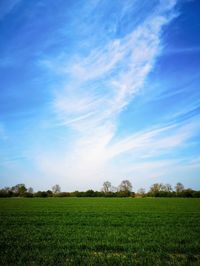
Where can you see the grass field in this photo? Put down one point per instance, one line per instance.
(99, 231)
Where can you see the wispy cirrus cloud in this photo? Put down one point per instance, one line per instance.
(159, 141)
(112, 102)
(100, 86)
(145, 155)
(103, 82)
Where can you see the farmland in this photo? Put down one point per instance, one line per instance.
(99, 231)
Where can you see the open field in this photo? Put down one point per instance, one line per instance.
(99, 231)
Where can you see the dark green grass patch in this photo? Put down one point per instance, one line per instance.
(99, 231)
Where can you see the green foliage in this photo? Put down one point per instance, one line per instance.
(124, 190)
(28, 195)
(19, 189)
(99, 231)
(41, 194)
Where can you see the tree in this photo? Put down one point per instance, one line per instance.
(6, 189)
(155, 188)
(30, 190)
(125, 188)
(49, 193)
(41, 194)
(56, 189)
(90, 193)
(167, 188)
(141, 192)
(114, 189)
(179, 187)
(106, 187)
(19, 189)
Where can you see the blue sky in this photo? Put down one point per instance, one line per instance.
(99, 90)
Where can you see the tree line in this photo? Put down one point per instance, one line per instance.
(125, 189)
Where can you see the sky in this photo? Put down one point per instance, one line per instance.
(99, 90)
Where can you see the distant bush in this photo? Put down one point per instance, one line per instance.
(49, 193)
(62, 194)
(41, 194)
(124, 190)
(196, 194)
(27, 195)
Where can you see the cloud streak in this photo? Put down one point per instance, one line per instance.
(100, 86)
(104, 114)
(104, 82)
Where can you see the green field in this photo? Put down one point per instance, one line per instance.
(99, 231)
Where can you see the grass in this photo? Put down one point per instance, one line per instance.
(99, 231)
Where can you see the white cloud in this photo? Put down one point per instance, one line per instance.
(156, 142)
(100, 86)
(105, 81)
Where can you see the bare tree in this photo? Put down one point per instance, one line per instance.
(6, 189)
(125, 186)
(30, 190)
(141, 192)
(179, 187)
(56, 189)
(167, 188)
(106, 187)
(156, 188)
(114, 189)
